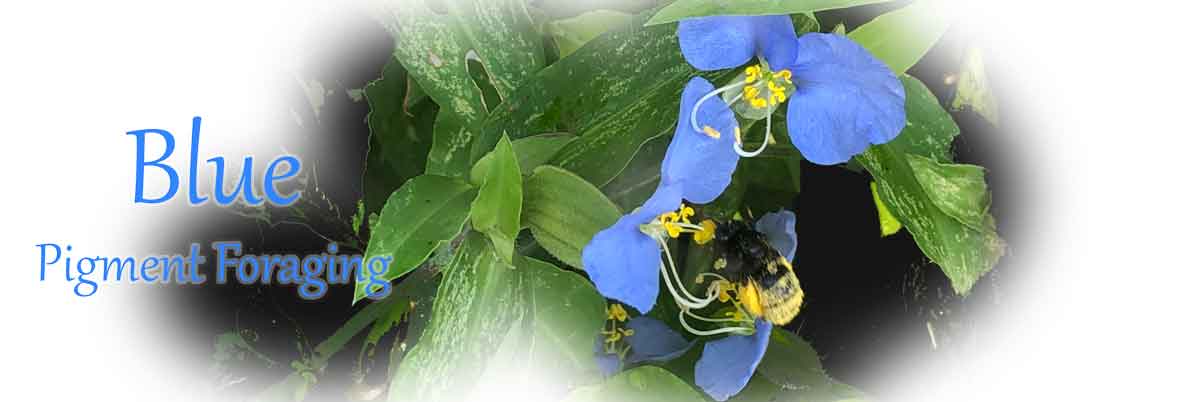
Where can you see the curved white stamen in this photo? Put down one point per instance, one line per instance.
(766, 140)
(706, 319)
(718, 331)
(715, 92)
(693, 299)
(686, 303)
(719, 277)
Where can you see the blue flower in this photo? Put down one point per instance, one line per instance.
(843, 99)
(726, 365)
(623, 260)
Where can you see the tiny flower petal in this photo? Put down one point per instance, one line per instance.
(727, 363)
(608, 363)
(622, 261)
(780, 228)
(653, 341)
(720, 42)
(845, 100)
(701, 164)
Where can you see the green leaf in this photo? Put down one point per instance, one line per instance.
(424, 213)
(410, 303)
(759, 389)
(888, 224)
(681, 9)
(930, 130)
(791, 363)
(478, 302)
(646, 383)
(572, 33)
(492, 323)
(900, 38)
(973, 89)
(637, 182)
(497, 210)
(957, 190)
(436, 49)
(564, 211)
(615, 93)
(567, 315)
(531, 152)
(451, 140)
(399, 141)
(964, 251)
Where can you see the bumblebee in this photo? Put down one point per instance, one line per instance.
(766, 284)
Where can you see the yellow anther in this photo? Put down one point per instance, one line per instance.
(726, 291)
(673, 230)
(752, 73)
(720, 264)
(627, 332)
(778, 96)
(711, 132)
(750, 92)
(616, 312)
(785, 74)
(668, 217)
(686, 212)
(707, 232)
(758, 103)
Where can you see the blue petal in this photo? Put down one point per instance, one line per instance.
(622, 261)
(775, 39)
(780, 228)
(727, 363)
(716, 43)
(845, 100)
(608, 363)
(653, 341)
(701, 165)
(720, 42)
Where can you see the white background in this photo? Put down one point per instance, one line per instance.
(1107, 312)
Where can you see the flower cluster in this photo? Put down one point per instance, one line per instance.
(840, 100)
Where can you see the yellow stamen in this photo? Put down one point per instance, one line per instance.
(750, 92)
(685, 212)
(673, 230)
(616, 312)
(752, 73)
(785, 74)
(712, 132)
(726, 291)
